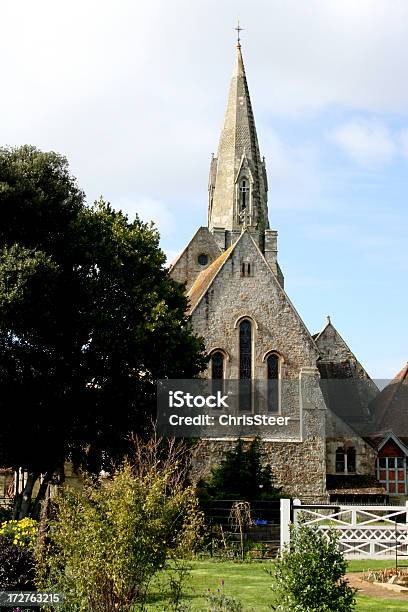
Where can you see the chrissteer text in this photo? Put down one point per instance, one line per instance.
(228, 420)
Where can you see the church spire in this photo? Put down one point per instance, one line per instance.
(238, 186)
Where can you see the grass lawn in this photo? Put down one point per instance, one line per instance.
(250, 583)
(368, 604)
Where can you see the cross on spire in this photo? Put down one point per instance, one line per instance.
(239, 30)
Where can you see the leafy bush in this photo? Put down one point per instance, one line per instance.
(20, 533)
(108, 539)
(16, 566)
(309, 576)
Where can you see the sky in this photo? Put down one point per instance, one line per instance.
(133, 93)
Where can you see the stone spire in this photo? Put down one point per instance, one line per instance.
(238, 184)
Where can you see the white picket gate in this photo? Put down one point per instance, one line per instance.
(365, 531)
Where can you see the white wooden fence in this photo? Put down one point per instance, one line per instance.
(365, 531)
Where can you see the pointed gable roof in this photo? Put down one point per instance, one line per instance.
(335, 350)
(391, 437)
(327, 327)
(347, 387)
(200, 230)
(207, 277)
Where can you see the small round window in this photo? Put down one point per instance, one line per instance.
(203, 259)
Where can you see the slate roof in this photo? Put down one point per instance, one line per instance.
(390, 408)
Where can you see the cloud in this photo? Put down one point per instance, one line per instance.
(293, 173)
(367, 142)
(403, 138)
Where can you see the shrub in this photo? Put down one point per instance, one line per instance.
(16, 566)
(108, 539)
(309, 575)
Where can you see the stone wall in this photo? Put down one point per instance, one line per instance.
(298, 467)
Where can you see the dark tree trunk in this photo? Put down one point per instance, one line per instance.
(36, 508)
(23, 500)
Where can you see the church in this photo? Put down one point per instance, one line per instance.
(237, 302)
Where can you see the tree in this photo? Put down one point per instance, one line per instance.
(309, 575)
(89, 320)
(242, 474)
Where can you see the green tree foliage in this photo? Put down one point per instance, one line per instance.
(242, 474)
(89, 320)
(108, 539)
(309, 576)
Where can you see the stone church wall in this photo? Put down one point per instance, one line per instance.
(277, 326)
(187, 267)
(298, 467)
(297, 457)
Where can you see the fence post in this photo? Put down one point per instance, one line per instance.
(284, 523)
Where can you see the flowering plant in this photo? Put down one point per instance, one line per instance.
(20, 533)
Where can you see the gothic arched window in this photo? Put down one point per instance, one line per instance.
(245, 350)
(217, 366)
(272, 363)
(245, 364)
(243, 194)
(217, 372)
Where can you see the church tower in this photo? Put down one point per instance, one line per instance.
(237, 190)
